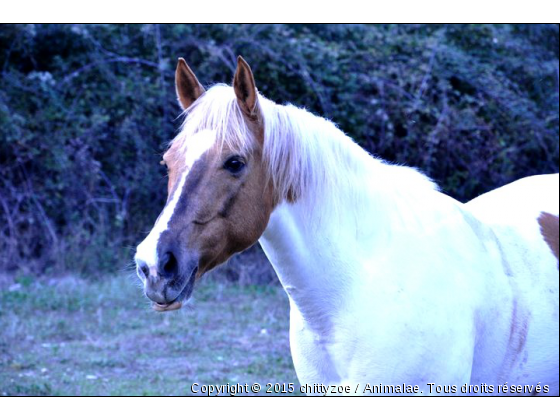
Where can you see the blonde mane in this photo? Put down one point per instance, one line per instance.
(307, 156)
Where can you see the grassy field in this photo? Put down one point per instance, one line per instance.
(77, 337)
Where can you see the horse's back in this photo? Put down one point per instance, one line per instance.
(523, 216)
(525, 197)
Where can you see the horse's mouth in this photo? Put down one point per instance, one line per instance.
(183, 296)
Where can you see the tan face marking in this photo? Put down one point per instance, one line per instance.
(550, 231)
(218, 212)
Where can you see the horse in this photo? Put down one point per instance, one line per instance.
(389, 280)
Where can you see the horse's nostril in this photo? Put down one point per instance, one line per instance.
(168, 265)
(144, 268)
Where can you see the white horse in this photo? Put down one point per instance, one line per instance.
(390, 282)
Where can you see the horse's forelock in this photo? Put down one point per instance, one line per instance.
(217, 110)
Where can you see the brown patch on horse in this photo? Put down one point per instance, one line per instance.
(187, 86)
(291, 196)
(519, 328)
(550, 231)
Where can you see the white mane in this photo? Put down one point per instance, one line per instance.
(307, 156)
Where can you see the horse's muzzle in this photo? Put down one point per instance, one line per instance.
(168, 285)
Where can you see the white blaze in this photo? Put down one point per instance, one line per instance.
(196, 146)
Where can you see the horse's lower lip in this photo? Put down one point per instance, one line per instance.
(167, 307)
(178, 302)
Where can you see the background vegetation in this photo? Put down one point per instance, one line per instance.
(86, 111)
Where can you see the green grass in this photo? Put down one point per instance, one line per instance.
(79, 337)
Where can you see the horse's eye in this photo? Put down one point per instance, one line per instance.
(234, 165)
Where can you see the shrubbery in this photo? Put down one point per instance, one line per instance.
(86, 111)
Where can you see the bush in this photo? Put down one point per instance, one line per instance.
(86, 111)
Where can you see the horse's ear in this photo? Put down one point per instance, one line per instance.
(187, 85)
(244, 87)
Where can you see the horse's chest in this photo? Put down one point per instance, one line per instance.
(316, 357)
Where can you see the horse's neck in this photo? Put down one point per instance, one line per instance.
(321, 256)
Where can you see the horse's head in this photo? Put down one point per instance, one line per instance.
(219, 195)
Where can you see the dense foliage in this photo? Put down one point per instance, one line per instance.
(86, 111)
